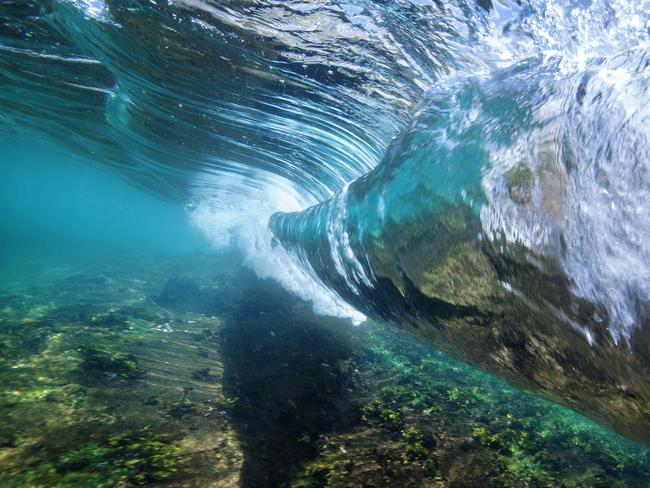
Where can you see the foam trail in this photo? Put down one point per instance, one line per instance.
(230, 220)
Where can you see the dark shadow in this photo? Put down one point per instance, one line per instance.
(288, 373)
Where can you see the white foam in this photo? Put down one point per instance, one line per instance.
(575, 33)
(235, 219)
(605, 222)
(95, 9)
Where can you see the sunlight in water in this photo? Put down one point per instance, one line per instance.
(200, 198)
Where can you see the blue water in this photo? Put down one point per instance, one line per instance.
(58, 207)
(474, 173)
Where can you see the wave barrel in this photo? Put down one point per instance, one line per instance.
(500, 227)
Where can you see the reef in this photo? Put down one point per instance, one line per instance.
(262, 394)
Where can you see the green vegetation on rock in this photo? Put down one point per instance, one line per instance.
(519, 181)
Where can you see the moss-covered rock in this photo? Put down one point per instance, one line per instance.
(519, 181)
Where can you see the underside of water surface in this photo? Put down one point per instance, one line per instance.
(325, 244)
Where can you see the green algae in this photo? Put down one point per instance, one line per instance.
(125, 392)
(138, 458)
(519, 181)
(111, 364)
(90, 406)
(459, 427)
(418, 445)
(377, 412)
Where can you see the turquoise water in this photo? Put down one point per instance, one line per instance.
(58, 207)
(323, 244)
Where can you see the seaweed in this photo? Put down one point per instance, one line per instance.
(377, 412)
(139, 457)
(101, 364)
(267, 394)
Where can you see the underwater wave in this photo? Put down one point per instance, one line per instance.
(239, 108)
(475, 172)
(183, 95)
(509, 224)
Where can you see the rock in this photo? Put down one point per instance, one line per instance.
(98, 364)
(182, 295)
